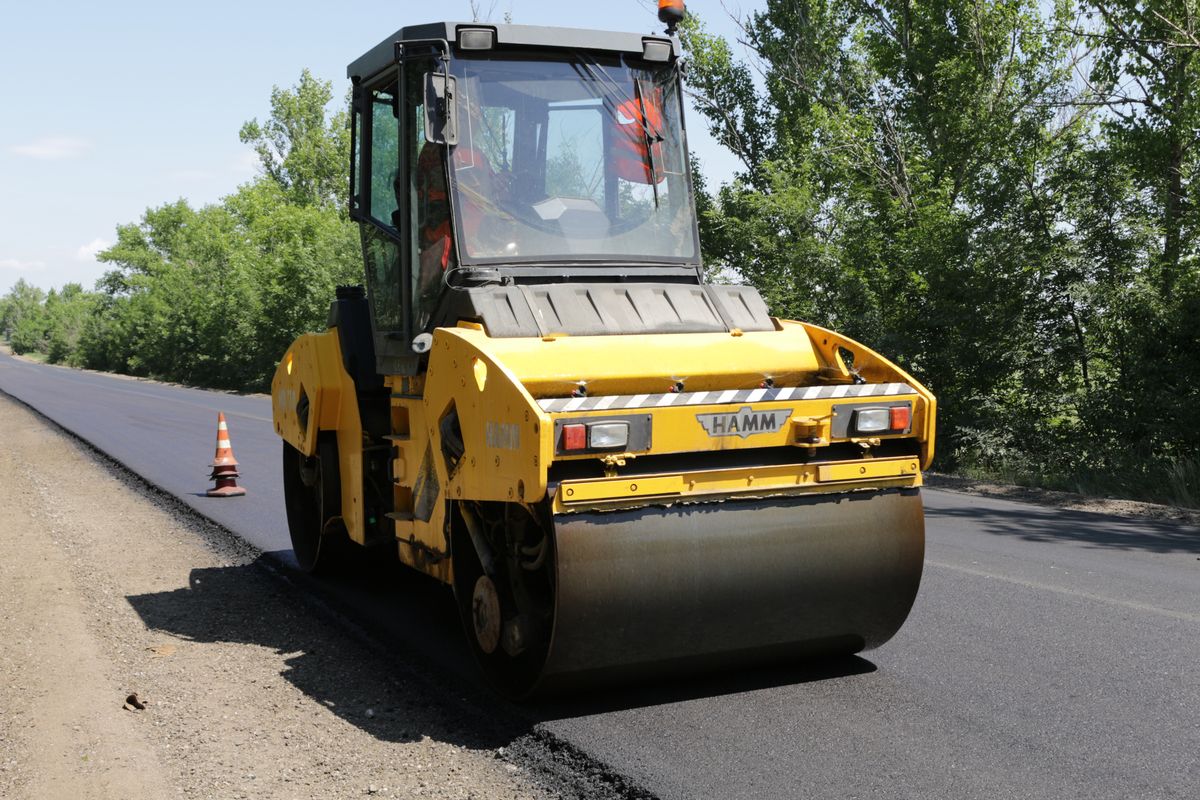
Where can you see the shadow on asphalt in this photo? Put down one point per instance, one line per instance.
(680, 690)
(415, 621)
(1033, 524)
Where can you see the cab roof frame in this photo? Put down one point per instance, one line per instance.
(383, 55)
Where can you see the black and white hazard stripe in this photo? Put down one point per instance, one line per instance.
(729, 396)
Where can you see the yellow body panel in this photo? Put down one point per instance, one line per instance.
(705, 485)
(312, 368)
(507, 439)
(494, 385)
(874, 368)
(555, 365)
(418, 494)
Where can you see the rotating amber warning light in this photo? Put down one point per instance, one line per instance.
(670, 13)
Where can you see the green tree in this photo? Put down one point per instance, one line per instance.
(896, 160)
(1147, 73)
(1002, 196)
(67, 312)
(300, 254)
(302, 149)
(23, 317)
(1141, 224)
(212, 296)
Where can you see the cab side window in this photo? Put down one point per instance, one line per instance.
(385, 155)
(381, 247)
(433, 251)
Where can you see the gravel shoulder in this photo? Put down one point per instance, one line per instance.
(105, 591)
(1068, 501)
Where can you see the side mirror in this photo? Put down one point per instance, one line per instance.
(422, 343)
(441, 109)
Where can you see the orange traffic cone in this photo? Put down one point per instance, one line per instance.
(224, 466)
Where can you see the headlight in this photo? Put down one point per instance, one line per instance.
(871, 420)
(608, 435)
(890, 419)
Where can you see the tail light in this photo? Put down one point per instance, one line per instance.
(595, 436)
(607, 434)
(574, 437)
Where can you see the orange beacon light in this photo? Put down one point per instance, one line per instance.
(670, 13)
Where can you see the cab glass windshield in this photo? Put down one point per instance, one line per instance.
(573, 159)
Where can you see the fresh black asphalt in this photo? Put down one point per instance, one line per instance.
(1051, 654)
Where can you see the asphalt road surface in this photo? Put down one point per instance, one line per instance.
(1050, 654)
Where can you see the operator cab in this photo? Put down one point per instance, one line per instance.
(506, 156)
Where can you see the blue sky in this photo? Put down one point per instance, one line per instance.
(108, 108)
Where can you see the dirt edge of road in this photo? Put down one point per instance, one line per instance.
(1068, 501)
(556, 767)
(107, 592)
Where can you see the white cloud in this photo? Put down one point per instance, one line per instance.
(20, 266)
(52, 148)
(87, 252)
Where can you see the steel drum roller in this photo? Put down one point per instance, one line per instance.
(692, 587)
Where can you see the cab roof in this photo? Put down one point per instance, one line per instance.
(563, 39)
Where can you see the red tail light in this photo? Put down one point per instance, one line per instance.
(899, 418)
(574, 437)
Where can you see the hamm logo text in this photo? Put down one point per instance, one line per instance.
(744, 422)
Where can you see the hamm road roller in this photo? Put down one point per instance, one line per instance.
(537, 399)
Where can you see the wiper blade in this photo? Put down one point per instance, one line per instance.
(652, 136)
(616, 98)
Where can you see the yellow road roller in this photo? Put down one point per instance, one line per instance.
(620, 469)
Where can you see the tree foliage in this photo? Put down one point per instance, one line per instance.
(305, 153)
(998, 195)
(23, 317)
